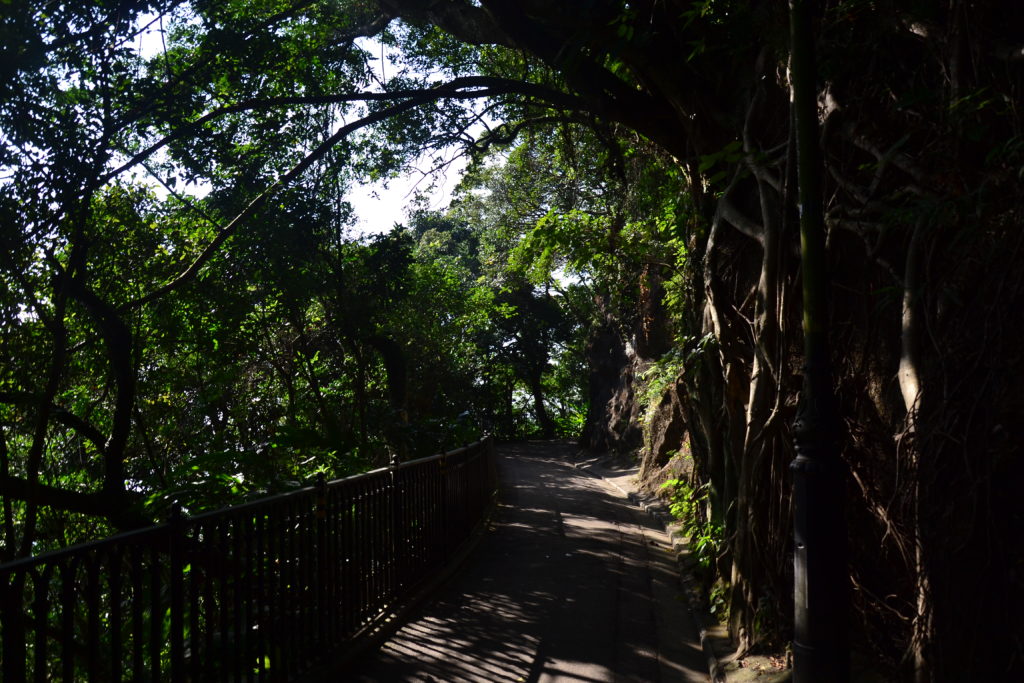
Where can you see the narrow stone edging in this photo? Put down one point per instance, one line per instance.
(679, 546)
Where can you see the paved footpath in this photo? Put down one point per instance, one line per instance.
(571, 583)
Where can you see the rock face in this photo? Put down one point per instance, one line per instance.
(617, 421)
(665, 433)
(613, 423)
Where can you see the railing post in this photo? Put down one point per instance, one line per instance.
(431, 506)
(322, 572)
(13, 636)
(821, 594)
(176, 532)
(445, 508)
(395, 544)
(467, 502)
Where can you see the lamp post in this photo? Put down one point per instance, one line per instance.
(821, 591)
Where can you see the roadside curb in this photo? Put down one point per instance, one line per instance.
(712, 634)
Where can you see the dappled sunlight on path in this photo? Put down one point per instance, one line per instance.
(571, 583)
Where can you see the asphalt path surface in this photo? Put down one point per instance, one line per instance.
(571, 583)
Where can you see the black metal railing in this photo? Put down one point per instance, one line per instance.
(267, 590)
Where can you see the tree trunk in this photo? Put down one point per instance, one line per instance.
(763, 383)
(544, 421)
(910, 388)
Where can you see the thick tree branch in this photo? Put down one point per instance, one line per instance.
(463, 88)
(57, 361)
(60, 414)
(741, 222)
(118, 340)
(466, 87)
(507, 132)
(552, 33)
(7, 550)
(609, 95)
(95, 504)
(473, 25)
(898, 159)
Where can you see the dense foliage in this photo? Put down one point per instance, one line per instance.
(185, 315)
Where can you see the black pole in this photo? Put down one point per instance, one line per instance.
(821, 595)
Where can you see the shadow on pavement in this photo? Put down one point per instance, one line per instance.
(570, 583)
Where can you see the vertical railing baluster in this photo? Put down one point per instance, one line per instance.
(373, 547)
(41, 617)
(239, 550)
(296, 602)
(300, 601)
(362, 566)
(243, 534)
(156, 616)
(266, 582)
(260, 619)
(336, 500)
(396, 527)
(366, 551)
(369, 527)
(281, 617)
(278, 583)
(390, 527)
(331, 564)
(288, 585)
(360, 556)
(13, 633)
(199, 570)
(115, 568)
(425, 526)
(254, 592)
(92, 618)
(251, 606)
(138, 605)
(225, 587)
(442, 511)
(309, 579)
(321, 574)
(176, 587)
(424, 483)
(426, 529)
(382, 546)
(347, 593)
(68, 602)
(466, 500)
(234, 539)
(298, 585)
(212, 591)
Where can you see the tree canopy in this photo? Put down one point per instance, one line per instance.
(187, 316)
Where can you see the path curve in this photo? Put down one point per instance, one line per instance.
(571, 583)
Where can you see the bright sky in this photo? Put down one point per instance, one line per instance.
(377, 207)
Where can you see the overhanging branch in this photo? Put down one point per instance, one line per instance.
(463, 88)
(60, 414)
(460, 88)
(113, 508)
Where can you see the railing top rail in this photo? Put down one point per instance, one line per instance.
(162, 528)
(430, 458)
(77, 548)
